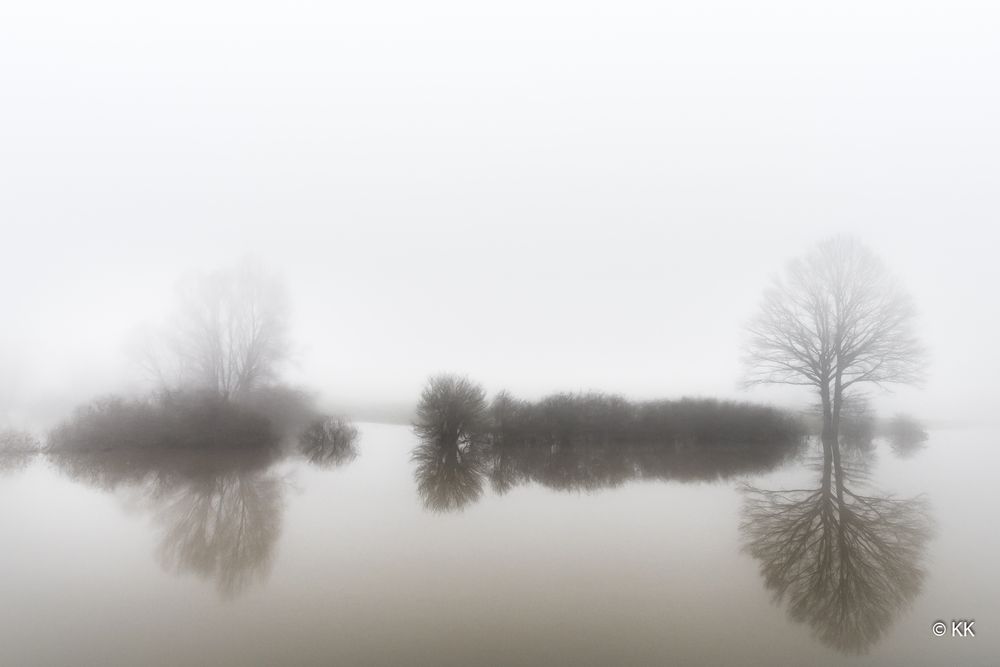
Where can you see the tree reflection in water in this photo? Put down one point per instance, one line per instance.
(222, 526)
(846, 563)
(220, 511)
(329, 442)
(450, 475)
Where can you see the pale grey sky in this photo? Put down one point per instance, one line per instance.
(543, 195)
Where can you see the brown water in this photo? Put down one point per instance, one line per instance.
(110, 562)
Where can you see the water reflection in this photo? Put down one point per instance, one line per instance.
(845, 562)
(219, 505)
(14, 462)
(223, 527)
(17, 450)
(907, 436)
(451, 474)
(219, 512)
(329, 442)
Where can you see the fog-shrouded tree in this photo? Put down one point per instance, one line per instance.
(835, 321)
(228, 333)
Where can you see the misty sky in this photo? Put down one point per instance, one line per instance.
(543, 195)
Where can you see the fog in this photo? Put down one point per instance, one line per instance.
(520, 333)
(544, 196)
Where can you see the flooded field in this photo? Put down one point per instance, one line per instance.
(562, 557)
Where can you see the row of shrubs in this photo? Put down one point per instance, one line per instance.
(454, 408)
(181, 420)
(202, 421)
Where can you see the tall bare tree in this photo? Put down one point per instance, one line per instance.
(228, 334)
(835, 320)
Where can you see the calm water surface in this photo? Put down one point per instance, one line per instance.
(582, 562)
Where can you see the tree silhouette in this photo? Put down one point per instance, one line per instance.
(836, 320)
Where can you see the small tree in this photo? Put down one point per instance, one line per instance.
(836, 320)
(452, 410)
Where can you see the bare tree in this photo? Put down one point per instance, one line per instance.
(229, 332)
(836, 320)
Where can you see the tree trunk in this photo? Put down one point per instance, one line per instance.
(829, 433)
(838, 400)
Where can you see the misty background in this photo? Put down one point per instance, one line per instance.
(545, 196)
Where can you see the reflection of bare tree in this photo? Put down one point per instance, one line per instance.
(845, 563)
(223, 527)
(449, 474)
(329, 442)
(220, 511)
